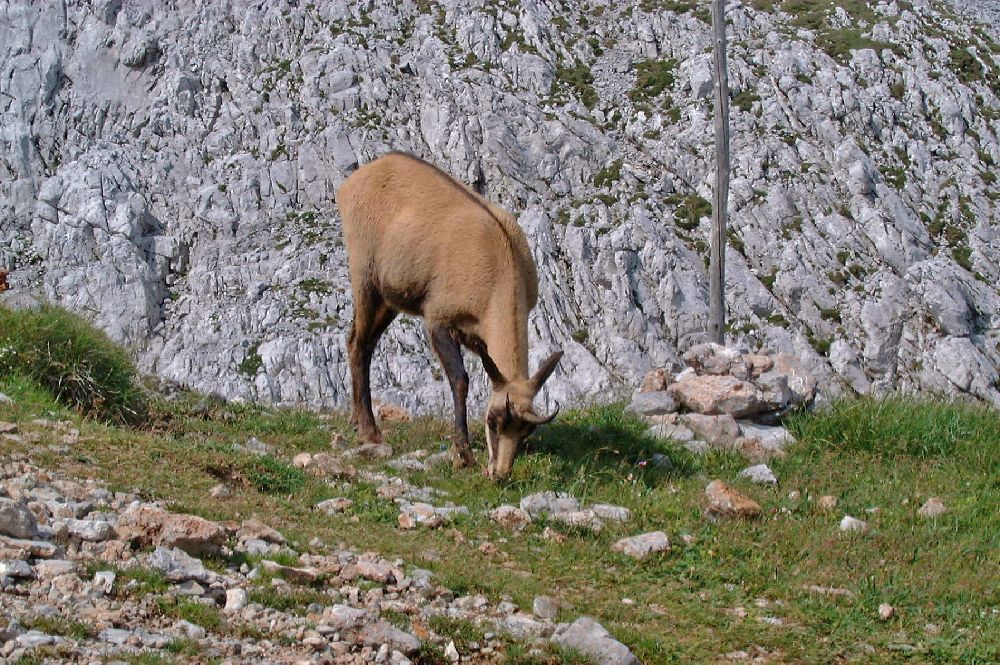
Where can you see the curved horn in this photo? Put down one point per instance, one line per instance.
(536, 419)
(545, 370)
(496, 376)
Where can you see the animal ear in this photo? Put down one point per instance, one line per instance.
(545, 371)
(496, 377)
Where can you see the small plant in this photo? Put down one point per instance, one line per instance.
(580, 81)
(652, 78)
(690, 212)
(75, 361)
(609, 175)
(269, 475)
(59, 626)
(200, 614)
(252, 362)
(296, 600)
(745, 99)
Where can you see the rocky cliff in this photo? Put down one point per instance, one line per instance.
(170, 170)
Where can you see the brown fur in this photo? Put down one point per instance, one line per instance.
(422, 243)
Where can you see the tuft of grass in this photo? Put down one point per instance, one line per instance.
(898, 426)
(652, 77)
(73, 360)
(580, 81)
(74, 630)
(294, 600)
(690, 212)
(269, 475)
(609, 175)
(206, 616)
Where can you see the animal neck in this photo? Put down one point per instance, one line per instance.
(506, 333)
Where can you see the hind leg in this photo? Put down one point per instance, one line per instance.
(450, 354)
(372, 315)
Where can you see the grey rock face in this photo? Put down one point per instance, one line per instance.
(592, 639)
(16, 520)
(177, 565)
(171, 174)
(652, 403)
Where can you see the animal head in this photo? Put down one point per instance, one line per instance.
(510, 416)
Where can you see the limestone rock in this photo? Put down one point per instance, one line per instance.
(545, 607)
(655, 380)
(254, 529)
(592, 639)
(177, 565)
(853, 524)
(713, 395)
(510, 517)
(933, 507)
(711, 358)
(725, 502)
(718, 431)
(334, 506)
(639, 547)
(145, 525)
(16, 520)
(392, 412)
(760, 474)
(652, 403)
(826, 503)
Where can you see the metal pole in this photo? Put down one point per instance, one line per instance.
(717, 278)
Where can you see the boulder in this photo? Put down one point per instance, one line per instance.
(715, 359)
(549, 502)
(592, 639)
(652, 403)
(713, 395)
(16, 520)
(760, 474)
(639, 547)
(177, 565)
(254, 529)
(510, 517)
(725, 502)
(145, 525)
(334, 506)
(801, 381)
(718, 431)
(655, 380)
(933, 507)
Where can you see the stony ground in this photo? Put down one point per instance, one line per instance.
(223, 533)
(171, 174)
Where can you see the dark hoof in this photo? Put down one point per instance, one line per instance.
(462, 459)
(370, 436)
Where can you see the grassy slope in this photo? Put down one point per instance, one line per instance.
(889, 456)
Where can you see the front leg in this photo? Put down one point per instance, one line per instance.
(450, 354)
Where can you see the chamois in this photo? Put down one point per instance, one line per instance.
(421, 242)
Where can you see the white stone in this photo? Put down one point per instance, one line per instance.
(853, 524)
(760, 474)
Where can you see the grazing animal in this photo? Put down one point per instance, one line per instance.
(420, 242)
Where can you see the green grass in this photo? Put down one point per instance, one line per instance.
(578, 79)
(888, 455)
(652, 77)
(71, 359)
(207, 616)
(74, 630)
